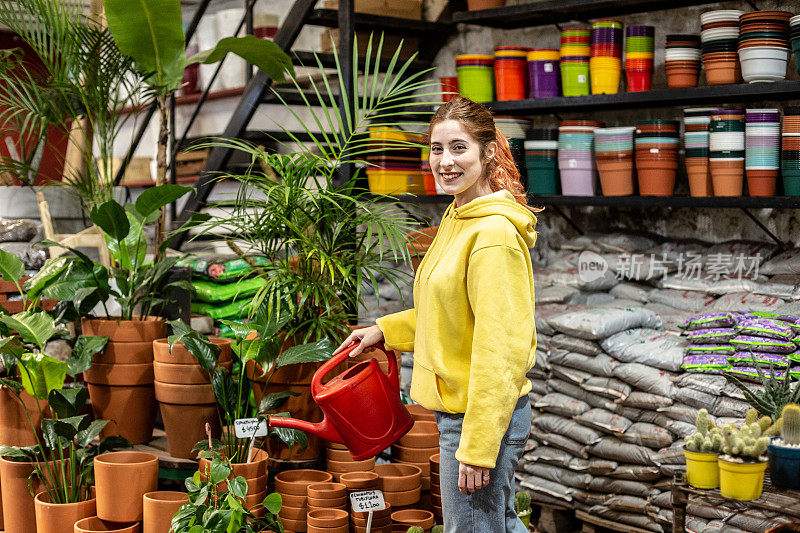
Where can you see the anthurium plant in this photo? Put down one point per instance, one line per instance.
(212, 509)
(80, 284)
(63, 454)
(258, 341)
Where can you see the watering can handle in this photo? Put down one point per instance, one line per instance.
(316, 383)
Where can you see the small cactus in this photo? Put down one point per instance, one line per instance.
(790, 432)
(708, 437)
(749, 441)
(437, 529)
(522, 502)
(415, 529)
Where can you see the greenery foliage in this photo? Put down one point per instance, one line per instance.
(750, 441)
(708, 437)
(774, 394)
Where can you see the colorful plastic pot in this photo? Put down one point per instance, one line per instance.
(741, 481)
(702, 469)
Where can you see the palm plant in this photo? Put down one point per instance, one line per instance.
(83, 76)
(324, 241)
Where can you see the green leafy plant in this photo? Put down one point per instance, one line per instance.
(708, 437)
(750, 441)
(82, 77)
(151, 33)
(522, 502)
(774, 395)
(324, 240)
(790, 430)
(211, 509)
(80, 283)
(257, 341)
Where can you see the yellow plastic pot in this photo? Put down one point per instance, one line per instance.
(741, 481)
(702, 469)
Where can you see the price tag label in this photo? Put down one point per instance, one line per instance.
(572, 163)
(653, 150)
(581, 78)
(548, 67)
(246, 427)
(367, 500)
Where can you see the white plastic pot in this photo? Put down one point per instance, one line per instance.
(763, 64)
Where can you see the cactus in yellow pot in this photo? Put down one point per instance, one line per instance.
(742, 462)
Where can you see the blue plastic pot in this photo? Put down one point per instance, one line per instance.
(784, 466)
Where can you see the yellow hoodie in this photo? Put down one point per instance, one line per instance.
(472, 328)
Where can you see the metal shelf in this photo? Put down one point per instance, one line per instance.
(376, 23)
(734, 202)
(716, 94)
(555, 11)
(307, 59)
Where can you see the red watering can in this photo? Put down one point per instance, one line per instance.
(362, 406)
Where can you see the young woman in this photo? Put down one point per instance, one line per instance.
(472, 328)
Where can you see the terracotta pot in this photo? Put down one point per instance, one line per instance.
(420, 413)
(122, 375)
(656, 182)
(425, 468)
(338, 455)
(682, 78)
(762, 182)
(398, 477)
(293, 525)
(94, 524)
(15, 430)
(403, 497)
(434, 461)
(699, 181)
(254, 486)
(181, 356)
(121, 480)
(337, 446)
(116, 404)
(146, 330)
(414, 517)
(126, 353)
(727, 181)
(338, 501)
(359, 529)
(328, 518)
(159, 508)
(474, 5)
(341, 529)
(350, 466)
(413, 455)
(418, 241)
(19, 514)
(252, 500)
(423, 434)
(360, 480)
(293, 500)
(185, 410)
(293, 513)
(55, 517)
(180, 374)
(297, 481)
(326, 490)
(376, 522)
(253, 471)
(434, 478)
(296, 378)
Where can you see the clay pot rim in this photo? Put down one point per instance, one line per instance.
(161, 496)
(327, 517)
(414, 517)
(317, 490)
(312, 501)
(40, 499)
(83, 525)
(146, 458)
(362, 475)
(348, 464)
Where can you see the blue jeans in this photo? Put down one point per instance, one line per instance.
(490, 509)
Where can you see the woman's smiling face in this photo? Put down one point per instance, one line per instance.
(456, 162)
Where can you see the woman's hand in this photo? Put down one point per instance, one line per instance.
(367, 336)
(472, 478)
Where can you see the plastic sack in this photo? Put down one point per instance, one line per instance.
(762, 344)
(787, 262)
(745, 301)
(686, 300)
(561, 442)
(611, 485)
(635, 473)
(571, 375)
(645, 400)
(707, 383)
(559, 475)
(566, 428)
(631, 291)
(645, 378)
(711, 336)
(709, 321)
(207, 291)
(599, 365)
(764, 328)
(679, 412)
(603, 420)
(574, 344)
(18, 230)
(616, 450)
(218, 312)
(647, 346)
(593, 324)
(555, 294)
(561, 405)
(627, 504)
(554, 490)
(718, 287)
(759, 358)
(222, 267)
(575, 391)
(709, 349)
(681, 429)
(607, 387)
(784, 286)
(548, 455)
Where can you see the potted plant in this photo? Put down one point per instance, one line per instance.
(743, 461)
(324, 241)
(773, 394)
(213, 509)
(700, 450)
(784, 451)
(121, 379)
(522, 505)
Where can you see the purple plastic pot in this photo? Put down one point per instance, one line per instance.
(545, 78)
(578, 182)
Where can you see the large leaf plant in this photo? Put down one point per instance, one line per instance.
(151, 32)
(325, 240)
(257, 341)
(64, 453)
(80, 284)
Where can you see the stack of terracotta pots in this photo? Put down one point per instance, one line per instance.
(436, 491)
(401, 483)
(295, 483)
(361, 481)
(122, 479)
(340, 461)
(184, 393)
(381, 521)
(656, 145)
(328, 521)
(418, 242)
(416, 447)
(406, 518)
(322, 496)
(420, 413)
(120, 379)
(254, 473)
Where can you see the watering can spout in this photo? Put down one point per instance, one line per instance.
(322, 429)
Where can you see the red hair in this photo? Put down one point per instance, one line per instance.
(500, 170)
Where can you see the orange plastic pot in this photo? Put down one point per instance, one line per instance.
(762, 182)
(121, 481)
(413, 455)
(699, 180)
(328, 518)
(727, 181)
(350, 466)
(656, 181)
(58, 517)
(159, 508)
(326, 490)
(254, 472)
(402, 498)
(126, 353)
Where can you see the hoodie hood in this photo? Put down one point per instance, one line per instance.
(500, 203)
